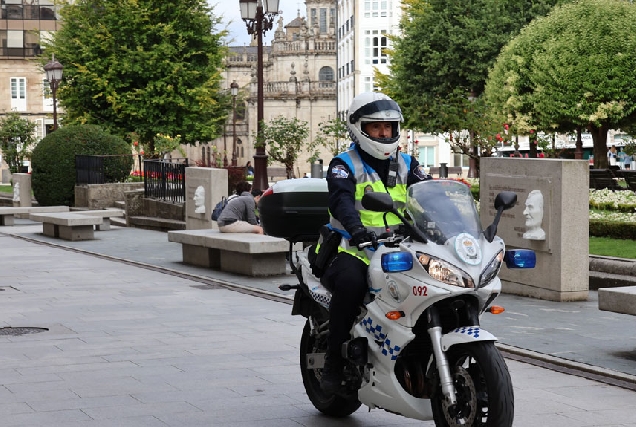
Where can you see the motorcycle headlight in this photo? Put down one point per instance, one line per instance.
(444, 271)
(491, 270)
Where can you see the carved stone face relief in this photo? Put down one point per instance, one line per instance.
(533, 213)
(199, 200)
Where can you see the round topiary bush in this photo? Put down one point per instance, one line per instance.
(53, 161)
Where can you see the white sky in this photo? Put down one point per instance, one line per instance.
(230, 15)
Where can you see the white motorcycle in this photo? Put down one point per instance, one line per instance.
(416, 348)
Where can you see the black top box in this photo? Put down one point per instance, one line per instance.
(295, 209)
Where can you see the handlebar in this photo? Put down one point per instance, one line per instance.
(391, 240)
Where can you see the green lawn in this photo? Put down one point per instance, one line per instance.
(6, 189)
(613, 247)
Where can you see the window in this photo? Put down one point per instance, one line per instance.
(368, 84)
(314, 18)
(427, 156)
(18, 93)
(323, 20)
(376, 9)
(375, 45)
(325, 74)
(460, 160)
(47, 95)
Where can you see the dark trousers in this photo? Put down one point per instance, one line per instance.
(346, 278)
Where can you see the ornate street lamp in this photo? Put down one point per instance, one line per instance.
(259, 17)
(234, 87)
(54, 72)
(473, 170)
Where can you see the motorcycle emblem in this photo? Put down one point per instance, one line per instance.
(467, 249)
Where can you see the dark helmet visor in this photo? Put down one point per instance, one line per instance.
(372, 108)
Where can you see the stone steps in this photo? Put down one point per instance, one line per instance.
(615, 280)
(608, 272)
(155, 223)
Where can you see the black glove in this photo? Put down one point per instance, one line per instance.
(360, 235)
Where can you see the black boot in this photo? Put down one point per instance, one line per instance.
(332, 375)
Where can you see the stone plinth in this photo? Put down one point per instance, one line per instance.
(21, 189)
(562, 242)
(212, 185)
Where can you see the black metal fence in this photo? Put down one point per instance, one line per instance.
(164, 179)
(102, 169)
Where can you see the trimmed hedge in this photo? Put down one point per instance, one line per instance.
(612, 229)
(53, 161)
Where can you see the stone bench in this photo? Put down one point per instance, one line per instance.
(242, 253)
(619, 300)
(8, 213)
(105, 214)
(67, 225)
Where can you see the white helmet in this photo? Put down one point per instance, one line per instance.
(374, 107)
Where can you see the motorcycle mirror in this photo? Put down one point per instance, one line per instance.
(378, 202)
(504, 201)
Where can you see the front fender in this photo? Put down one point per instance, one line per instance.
(466, 335)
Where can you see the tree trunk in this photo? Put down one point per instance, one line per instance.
(599, 136)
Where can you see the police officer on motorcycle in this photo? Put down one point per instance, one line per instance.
(372, 163)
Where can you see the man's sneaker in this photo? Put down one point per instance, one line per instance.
(332, 376)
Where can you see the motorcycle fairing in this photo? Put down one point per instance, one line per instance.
(464, 335)
(380, 338)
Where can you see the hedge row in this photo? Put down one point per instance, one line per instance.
(614, 230)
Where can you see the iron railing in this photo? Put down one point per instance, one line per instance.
(164, 179)
(102, 169)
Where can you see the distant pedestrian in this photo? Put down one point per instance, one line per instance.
(249, 169)
(239, 216)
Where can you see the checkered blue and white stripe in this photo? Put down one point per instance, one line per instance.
(381, 339)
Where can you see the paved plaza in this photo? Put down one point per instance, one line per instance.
(129, 345)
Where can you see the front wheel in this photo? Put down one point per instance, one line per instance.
(482, 385)
(329, 404)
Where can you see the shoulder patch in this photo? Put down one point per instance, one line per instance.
(339, 171)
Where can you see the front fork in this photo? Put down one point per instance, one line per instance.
(435, 332)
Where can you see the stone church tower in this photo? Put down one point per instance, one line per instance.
(299, 82)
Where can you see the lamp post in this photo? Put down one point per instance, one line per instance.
(54, 75)
(473, 169)
(234, 87)
(259, 17)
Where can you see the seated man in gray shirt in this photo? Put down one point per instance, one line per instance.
(239, 216)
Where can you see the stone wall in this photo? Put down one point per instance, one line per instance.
(100, 196)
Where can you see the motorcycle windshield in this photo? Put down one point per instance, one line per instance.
(442, 209)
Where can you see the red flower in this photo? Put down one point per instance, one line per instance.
(506, 126)
(135, 143)
(531, 131)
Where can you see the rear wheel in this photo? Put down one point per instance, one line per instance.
(482, 385)
(329, 404)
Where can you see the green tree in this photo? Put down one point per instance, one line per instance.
(440, 63)
(142, 66)
(284, 138)
(574, 68)
(333, 135)
(17, 137)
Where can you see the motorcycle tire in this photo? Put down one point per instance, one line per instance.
(483, 388)
(329, 404)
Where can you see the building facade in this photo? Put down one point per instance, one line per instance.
(23, 83)
(299, 81)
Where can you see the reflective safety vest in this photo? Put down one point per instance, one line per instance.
(368, 180)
